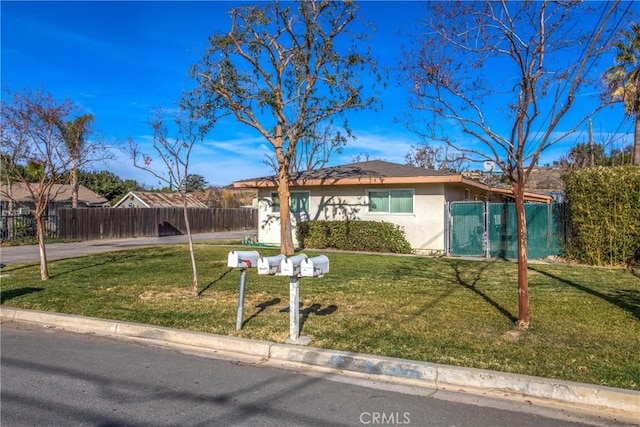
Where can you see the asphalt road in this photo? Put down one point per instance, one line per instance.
(19, 254)
(51, 377)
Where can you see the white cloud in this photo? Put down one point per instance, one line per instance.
(390, 146)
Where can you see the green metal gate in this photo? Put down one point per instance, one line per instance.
(546, 231)
(467, 231)
(489, 229)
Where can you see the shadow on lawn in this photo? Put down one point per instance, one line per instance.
(15, 293)
(472, 287)
(626, 299)
(417, 269)
(312, 309)
(107, 259)
(261, 307)
(210, 284)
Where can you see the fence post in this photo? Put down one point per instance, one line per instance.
(447, 229)
(487, 229)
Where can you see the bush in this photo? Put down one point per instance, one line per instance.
(370, 236)
(604, 213)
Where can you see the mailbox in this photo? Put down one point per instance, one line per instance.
(270, 264)
(314, 267)
(291, 266)
(242, 259)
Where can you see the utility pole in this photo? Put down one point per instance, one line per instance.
(591, 153)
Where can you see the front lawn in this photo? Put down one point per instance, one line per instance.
(585, 321)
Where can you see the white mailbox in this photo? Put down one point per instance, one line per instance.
(291, 266)
(270, 264)
(242, 259)
(314, 267)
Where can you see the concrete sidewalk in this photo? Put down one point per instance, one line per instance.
(606, 402)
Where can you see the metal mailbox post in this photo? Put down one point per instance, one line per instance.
(242, 260)
(294, 267)
(291, 267)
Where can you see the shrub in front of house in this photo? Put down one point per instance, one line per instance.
(604, 209)
(368, 236)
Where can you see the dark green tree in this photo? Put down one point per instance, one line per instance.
(107, 184)
(583, 155)
(194, 182)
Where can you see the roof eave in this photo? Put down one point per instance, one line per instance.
(441, 179)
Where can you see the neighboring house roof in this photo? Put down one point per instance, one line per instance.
(60, 193)
(161, 200)
(379, 172)
(546, 180)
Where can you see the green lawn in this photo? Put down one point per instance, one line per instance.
(585, 321)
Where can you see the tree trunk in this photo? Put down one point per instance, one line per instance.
(194, 290)
(74, 186)
(44, 269)
(523, 279)
(286, 240)
(636, 142)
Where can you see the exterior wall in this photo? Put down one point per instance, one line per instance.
(424, 227)
(461, 192)
(52, 207)
(131, 202)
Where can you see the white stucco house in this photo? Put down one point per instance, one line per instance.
(413, 198)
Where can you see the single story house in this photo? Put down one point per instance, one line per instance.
(148, 199)
(413, 198)
(23, 203)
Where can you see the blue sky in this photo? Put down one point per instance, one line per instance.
(120, 60)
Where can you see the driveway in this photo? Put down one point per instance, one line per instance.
(19, 254)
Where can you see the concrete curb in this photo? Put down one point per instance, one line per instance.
(422, 374)
(96, 326)
(452, 378)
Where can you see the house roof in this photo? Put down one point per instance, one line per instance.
(60, 193)
(546, 179)
(379, 172)
(161, 200)
(371, 172)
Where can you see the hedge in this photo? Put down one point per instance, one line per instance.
(604, 212)
(370, 236)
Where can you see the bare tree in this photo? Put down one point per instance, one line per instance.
(360, 158)
(437, 157)
(506, 75)
(282, 71)
(174, 155)
(35, 154)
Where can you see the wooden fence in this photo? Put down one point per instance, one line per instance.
(105, 223)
